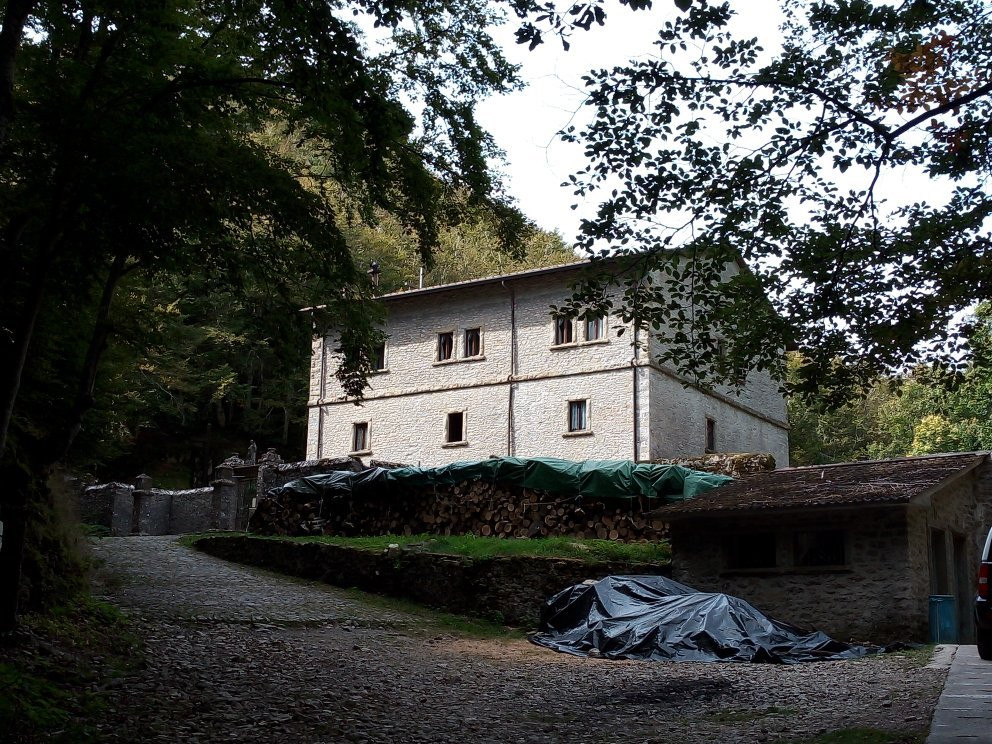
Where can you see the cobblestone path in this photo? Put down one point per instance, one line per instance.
(238, 654)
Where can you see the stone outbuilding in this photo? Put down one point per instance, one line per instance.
(853, 549)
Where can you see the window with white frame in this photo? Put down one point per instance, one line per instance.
(445, 346)
(473, 342)
(595, 328)
(360, 436)
(564, 333)
(454, 429)
(578, 416)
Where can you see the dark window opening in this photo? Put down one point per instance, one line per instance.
(938, 562)
(359, 437)
(578, 419)
(563, 331)
(819, 548)
(473, 342)
(710, 435)
(445, 346)
(379, 357)
(595, 328)
(456, 427)
(755, 550)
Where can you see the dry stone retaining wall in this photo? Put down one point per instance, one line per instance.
(510, 590)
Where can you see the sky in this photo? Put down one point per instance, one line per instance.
(524, 123)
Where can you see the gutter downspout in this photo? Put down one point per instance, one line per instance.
(635, 366)
(513, 372)
(321, 391)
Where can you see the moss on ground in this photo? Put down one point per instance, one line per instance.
(55, 671)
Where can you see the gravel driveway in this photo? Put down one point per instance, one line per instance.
(238, 654)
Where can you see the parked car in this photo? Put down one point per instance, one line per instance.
(983, 602)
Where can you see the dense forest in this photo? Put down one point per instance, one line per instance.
(195, 371)
(930, 408)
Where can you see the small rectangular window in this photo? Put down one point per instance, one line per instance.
(563, 331)
(578, 415)
(455, 430)
(473, 342)
(939, 583)
(595, 328)
(379, 357)
(360, 437)
(445, 346)
(755, 550)
(819, 548)
(710, 435)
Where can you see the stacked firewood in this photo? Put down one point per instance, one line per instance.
(473, 507)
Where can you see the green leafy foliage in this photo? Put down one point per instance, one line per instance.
(931, 409)
(714, 149)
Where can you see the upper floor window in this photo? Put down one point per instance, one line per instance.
(563, 331)
(595, 328)
(360, 437)
(445, 346)
(473, 342)
(379, 357)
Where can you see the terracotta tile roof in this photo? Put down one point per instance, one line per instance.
(867, 482)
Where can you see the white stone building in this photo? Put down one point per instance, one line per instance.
(481, 368)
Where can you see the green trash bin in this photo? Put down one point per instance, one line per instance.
(943, 619)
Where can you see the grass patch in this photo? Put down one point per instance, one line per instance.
(472, 546)
(867, 736)
(55, 673)
(916, 657)
(459, 624)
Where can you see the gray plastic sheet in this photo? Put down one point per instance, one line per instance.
(658, 619)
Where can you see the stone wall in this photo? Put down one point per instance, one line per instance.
(143, 510)
(961, 511)
(871, 598)
(678, 421)
(510, 590)
(734, 464)
(273, 476)
(514, 395)
(96, 503)
(190, 510)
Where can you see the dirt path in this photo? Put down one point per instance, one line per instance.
(237, 654)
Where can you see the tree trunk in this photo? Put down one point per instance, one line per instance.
(22, 343)
(87, 376)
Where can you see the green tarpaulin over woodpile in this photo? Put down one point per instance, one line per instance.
(595, 479)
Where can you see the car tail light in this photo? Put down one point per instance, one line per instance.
(983, 580)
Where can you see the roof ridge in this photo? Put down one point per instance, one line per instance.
(904, 458)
